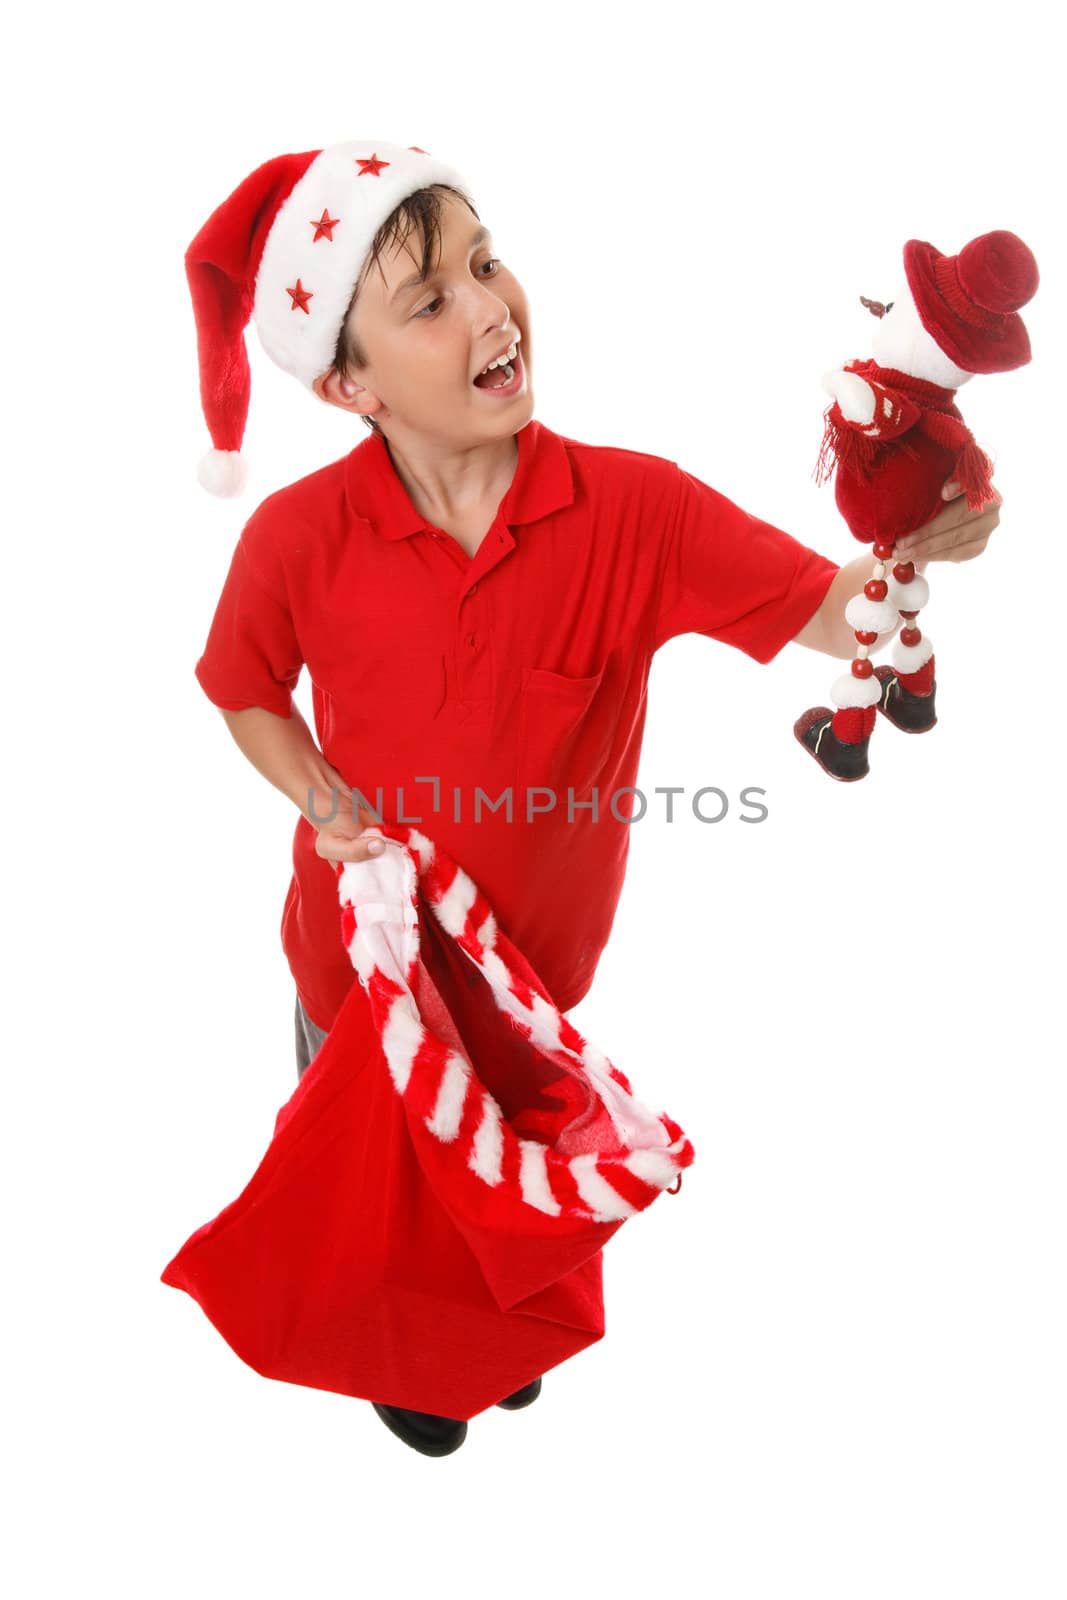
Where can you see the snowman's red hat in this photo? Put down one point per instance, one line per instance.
(286, 249)
(969, 303)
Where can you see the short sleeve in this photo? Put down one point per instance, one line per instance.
(732, 576)
(252, 656)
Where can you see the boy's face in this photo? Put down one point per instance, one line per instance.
(426, 342)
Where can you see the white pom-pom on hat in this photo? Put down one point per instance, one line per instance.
(223, 472)
(848, 690)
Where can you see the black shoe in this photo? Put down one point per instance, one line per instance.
(912, 712)
(522, 1397)
(845, 761)
(431, 1435)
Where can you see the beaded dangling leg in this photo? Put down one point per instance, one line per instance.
(908, 686)
(838, 739)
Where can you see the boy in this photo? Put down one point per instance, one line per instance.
(477, 599)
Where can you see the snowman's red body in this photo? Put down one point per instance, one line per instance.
(890, 471)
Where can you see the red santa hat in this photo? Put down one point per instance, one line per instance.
(286, 249)
(969, 303)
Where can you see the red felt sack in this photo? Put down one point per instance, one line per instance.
(426, 1226)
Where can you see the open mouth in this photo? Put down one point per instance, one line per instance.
(502, 381)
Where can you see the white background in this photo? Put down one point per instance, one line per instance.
(834, 1362)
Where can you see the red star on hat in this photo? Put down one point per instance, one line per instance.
(301, 296)
(371, 167)
(324, 227)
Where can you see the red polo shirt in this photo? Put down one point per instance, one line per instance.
(436, 675)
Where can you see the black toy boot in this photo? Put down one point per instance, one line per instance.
(845, 761)
(912, 712)
(522, 1397)
(424, 1431)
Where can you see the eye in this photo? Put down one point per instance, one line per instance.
(494, 261)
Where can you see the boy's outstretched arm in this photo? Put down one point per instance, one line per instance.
(955, 534)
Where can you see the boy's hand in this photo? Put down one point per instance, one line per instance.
(341, 839)
(956, 534)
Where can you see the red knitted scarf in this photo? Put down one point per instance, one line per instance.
(941, 421)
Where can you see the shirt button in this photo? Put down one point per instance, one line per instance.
(473, 589)
(472, 639)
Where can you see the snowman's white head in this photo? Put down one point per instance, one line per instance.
(900, 341)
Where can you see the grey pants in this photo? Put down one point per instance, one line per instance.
(309, 1038)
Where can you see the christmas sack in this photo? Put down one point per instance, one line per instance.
(426, 1226)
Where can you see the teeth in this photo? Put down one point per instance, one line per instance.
(501, 361)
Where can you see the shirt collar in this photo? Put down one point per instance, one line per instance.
(543, 483)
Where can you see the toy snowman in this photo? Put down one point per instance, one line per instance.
(896, 436)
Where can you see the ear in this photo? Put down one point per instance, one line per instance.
(345, 392)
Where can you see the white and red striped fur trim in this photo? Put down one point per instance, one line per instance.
(379, 923)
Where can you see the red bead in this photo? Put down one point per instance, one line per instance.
(909, 613)
(862, 667)
(904, 571)
(910, 635)
(865, 638)
(882, 552)
(876, 589)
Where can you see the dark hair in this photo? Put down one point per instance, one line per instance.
(421, 210)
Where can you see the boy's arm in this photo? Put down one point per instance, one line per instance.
(828, 631)
(730, 575)
(283, 750)
(249, 668)
(957, 533)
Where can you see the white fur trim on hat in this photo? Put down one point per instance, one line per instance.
(851, 691)
(326, 268)
(910, 657)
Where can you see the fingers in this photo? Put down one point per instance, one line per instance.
(951, 530)
(952, 490)
(967, 552)
(338, 844)
(338, 852)
(946, 545)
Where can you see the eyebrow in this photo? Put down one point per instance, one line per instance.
(478, 237)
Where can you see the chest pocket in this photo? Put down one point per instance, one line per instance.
(566, 727)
